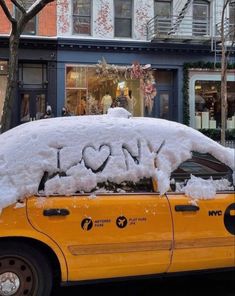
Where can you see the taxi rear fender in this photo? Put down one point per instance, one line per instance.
(19, 230)
(51, 252)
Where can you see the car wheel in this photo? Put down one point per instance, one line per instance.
(23, 271)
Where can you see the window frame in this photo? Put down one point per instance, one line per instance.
(231, 20)
(22, 73)
(169, 2)
(206, 160)
(82, 16)
(197, 23)
(34, 19)
(123, 18)
(163, 23)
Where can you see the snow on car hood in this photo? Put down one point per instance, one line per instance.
(80, 152)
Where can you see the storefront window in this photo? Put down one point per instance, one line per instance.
(3, 84)
(33, 75)
(208, 104)
(87, 93)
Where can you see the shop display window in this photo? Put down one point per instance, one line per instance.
(3, 84)
(85, 91)
(208, 104)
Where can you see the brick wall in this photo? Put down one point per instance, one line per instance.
(4, 23)
(46, 20)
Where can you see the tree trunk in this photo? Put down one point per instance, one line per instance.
(223, 78)
(223, 97)
(11, 81)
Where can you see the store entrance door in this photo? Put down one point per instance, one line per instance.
(32, 105)
(163, 102)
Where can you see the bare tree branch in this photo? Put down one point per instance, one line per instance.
(19, 6)
(32, 11)
(7, 12)
(36, 8)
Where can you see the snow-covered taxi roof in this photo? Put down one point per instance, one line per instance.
(93, 149)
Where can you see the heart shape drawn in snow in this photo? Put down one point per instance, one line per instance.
(96, 159)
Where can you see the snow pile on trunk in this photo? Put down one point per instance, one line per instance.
(77, 153)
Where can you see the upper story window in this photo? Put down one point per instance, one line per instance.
(82, 17)
(201, 16)
(162, 12)
(123, 18)
(162, 8)
(232, 19)
(31, 26)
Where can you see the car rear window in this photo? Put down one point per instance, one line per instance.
(200, 165)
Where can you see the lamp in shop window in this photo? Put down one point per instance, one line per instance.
(198, 87)
(74, 75)
(122, 86)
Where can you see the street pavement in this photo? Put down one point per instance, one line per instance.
(208, 285)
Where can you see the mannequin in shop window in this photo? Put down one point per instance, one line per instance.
(106, 102)
(131, 102)
(81, 107)
(91, 105)
(121, 101)
(65, 112)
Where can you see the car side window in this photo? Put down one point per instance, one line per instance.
(200, 165)
(142, 186)
(46, 176)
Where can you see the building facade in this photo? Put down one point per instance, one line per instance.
(98, 44)
(37, 63)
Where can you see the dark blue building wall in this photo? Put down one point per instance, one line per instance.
(33, 51)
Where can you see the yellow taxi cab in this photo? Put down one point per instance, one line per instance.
(111, 225)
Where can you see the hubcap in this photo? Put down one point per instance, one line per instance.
(9, 283)
(18, 277)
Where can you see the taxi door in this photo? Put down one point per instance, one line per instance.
(107, 236)
(203, 232)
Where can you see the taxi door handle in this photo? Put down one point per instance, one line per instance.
(56, 212)
(186, 208)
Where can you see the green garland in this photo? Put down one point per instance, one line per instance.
(216, 133)
(186, 67)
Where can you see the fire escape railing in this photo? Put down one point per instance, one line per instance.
(229, 38)
(170, 27)
(229, 30)
(180, 17)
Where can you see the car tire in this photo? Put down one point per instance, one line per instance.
(24, 271)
